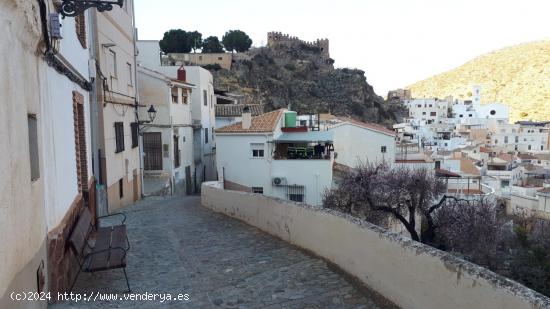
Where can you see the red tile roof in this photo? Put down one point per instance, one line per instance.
(264, 123)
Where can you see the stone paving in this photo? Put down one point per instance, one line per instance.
(180, 247)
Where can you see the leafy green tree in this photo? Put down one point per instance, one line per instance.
(236, 40)
(195, 39)
(175, 41)
(212, 45)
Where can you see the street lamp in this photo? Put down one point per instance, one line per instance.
(152, 113)
(72, 8)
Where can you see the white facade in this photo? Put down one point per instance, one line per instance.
(519, 137)
(171, 99)
(203, 115)
(237, 164)
(355, 144)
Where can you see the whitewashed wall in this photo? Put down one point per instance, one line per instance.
(410, 274)
(354, 144)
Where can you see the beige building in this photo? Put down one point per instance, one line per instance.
(45, 171)
(118, 144)
(224, 60)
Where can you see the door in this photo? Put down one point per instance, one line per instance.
(152, 148)
(188, 181)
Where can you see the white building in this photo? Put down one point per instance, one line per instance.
(358, 142)
(203, 101)
(46, 168)
(168, 139)
(257, 155)
(524, 136)
(204, 120)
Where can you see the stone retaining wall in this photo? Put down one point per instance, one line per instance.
(410, 274)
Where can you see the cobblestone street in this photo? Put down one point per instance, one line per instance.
(180, 247)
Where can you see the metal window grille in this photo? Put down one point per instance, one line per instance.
(296, 193)
(119, 136)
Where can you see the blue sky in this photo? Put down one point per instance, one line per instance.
(396, 42)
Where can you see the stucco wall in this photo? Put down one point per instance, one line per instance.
(408, 273)
(354, 144)
(22, 223)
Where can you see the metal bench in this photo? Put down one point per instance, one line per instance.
(109, 249)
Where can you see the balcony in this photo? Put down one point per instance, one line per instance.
(304, 146)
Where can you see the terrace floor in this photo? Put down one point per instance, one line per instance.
(180, 247)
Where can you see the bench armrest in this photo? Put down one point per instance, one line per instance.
(117, 214)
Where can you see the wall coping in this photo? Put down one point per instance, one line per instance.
(449, 260)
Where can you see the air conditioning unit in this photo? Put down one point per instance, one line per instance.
(279, 181)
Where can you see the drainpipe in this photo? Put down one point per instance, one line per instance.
(136, 95)
(94, 111)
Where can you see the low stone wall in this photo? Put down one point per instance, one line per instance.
(410, 274)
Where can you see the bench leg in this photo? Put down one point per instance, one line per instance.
(125, 276)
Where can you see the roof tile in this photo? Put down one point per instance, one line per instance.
(260, 124)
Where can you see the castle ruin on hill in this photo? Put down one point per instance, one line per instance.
(278, 38)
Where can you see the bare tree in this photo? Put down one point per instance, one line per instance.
(377, 192)
(470, 228)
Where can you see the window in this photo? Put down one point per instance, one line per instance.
(470, 115)
(206, 135)
(529, 147)
(296, 193)
(257, 150)
(506, 140)
(112, 63)
(423, 113)
(383, 149)
(461, 116)
(258, 190)
(135, 136)
(130, 75)
(205, 98)
(33, 147)
(119, 137)
(433, 113)
(176, 151)
(220, 58)
(120, 188)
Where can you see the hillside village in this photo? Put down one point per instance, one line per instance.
(125, 168)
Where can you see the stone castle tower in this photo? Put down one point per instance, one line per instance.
(274, 38)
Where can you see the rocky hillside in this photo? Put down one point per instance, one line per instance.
(280, 76)
(518, 76)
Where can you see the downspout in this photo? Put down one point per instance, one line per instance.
(136, 95)
(94, 109)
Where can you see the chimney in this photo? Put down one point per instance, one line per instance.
(247, 118)
(182, 75)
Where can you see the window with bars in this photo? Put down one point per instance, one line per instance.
(135, 135)
(258, 190)
(177, 159)
(296, 193)
(383, 149)
(206, 135)
(205, 97)
(119, 137)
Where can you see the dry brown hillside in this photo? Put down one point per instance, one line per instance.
(518, 76)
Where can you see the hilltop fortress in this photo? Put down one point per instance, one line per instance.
(275, 38)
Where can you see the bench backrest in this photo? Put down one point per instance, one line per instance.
(81, 231)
